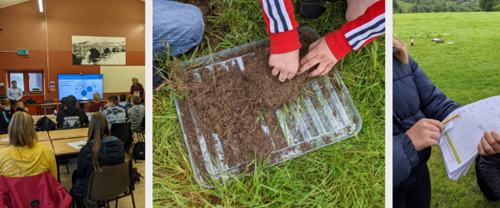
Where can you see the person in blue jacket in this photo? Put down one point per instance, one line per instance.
(418, 109)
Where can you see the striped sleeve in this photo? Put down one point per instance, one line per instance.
(281, 25)
(355, 34)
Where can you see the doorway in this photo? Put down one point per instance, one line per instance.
(31, 83)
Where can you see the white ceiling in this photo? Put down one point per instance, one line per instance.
(6, 3)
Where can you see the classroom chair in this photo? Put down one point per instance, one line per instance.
(122, 132)
(42, 190)
(45, 107)
(110, 185)
(142, 130)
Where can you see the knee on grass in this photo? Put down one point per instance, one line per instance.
(356, 8)
(181, 29)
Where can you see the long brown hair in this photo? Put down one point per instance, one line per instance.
(402, 54)
(22, 130)
(98, 131)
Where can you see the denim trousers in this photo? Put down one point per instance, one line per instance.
(177, 24)
(180, 25)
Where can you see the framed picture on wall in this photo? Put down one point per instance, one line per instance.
(91, 50)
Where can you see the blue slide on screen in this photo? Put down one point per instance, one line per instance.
(82, 86)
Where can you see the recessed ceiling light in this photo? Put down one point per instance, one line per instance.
(40, 5)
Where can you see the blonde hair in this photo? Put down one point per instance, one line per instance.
(98, 131)
(136, 80)
(22, 130)
(129, 98)
(402, 54)
(97, 97)
(5, 101)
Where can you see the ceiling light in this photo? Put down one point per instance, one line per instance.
(40, 5)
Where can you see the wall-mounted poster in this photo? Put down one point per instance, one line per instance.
(52, 86)
(90, 50)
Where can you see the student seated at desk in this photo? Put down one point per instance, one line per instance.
(113, 113)
(71, 116)
(63, 104)
(8, 107)
(5, 117)
(20, 107)
(128, 103)
(123, 100)
(25, 156)
(136, 113)
(101, 149)
(97, 105)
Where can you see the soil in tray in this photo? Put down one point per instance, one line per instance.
(231, 103)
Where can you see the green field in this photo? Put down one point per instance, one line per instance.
(347, 174)
(466, 71)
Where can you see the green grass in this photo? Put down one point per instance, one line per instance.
(343, 174)
(466, 71)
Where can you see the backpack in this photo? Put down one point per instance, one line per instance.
(30, 101)
(45, 124)
(139, 152)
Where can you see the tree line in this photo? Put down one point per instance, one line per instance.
(417, 6)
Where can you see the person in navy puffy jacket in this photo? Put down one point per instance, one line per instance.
(418, 109)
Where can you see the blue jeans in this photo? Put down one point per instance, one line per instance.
(180, 25)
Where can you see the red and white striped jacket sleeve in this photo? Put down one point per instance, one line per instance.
(355, 34)
(281, 25)
(282, 28)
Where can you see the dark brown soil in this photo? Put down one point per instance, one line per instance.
(212, 30)
(205, 9)
(230, 104)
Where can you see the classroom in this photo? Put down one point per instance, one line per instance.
(74, 66)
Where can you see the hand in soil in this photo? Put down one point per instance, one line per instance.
(319, 53)
(489, 144)
(286, 64)
(425, 133)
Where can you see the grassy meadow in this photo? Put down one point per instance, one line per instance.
(466, 71)
(345, 174)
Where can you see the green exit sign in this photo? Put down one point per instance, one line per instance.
(22, 52)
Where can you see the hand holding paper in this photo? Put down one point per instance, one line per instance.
(490, 143)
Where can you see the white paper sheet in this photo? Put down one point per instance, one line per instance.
(78, 144)
(462, 134)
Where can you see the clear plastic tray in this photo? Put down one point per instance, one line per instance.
(334, 118)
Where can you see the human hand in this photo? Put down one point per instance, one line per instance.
(286, 64)
(425, 133)
(319, 52)
(489, 144)
(26, 109)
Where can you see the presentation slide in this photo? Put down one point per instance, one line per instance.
(82, 86)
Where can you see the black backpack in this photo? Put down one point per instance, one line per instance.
(45, 124)
(139, 152)
(30, 101)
